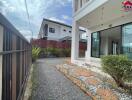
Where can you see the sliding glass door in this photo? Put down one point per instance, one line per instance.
(95, 45)
(127, 40)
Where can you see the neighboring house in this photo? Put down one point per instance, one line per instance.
(52, 30)
(109, 29)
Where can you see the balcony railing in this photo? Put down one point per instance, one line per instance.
(15, 60)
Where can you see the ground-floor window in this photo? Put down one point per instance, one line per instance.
(95, 49)
(116, 40)
(110, 41)
(127, 40)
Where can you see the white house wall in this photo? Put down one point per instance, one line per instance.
(98, 15)
(87, 8)
(53, 36)
(116, 22)
(59, 31)
(108, 15)
(67, 33)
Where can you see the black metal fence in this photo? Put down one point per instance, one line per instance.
(16, 62)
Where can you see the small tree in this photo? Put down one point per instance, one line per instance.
(35, 53)
(120, 68)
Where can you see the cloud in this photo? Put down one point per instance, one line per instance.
(15, 12)
(58, 20)
(5, 7)
(28, 34)
(64, 2)
(66, 17)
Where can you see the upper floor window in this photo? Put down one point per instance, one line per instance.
(64, 30)
(80, 3)
(51, 30)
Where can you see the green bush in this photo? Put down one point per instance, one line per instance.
(35, 53)
(66, 52)
(119, 67)
(58, 52)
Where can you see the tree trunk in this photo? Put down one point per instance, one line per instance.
(122, 84)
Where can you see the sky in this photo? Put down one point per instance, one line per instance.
(15, 12)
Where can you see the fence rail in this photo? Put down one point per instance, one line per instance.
(15, 61)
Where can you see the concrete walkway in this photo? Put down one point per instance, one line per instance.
(53, 85)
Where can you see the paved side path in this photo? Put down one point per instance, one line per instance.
(52, 85)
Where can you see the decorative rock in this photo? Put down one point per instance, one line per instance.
(93, 83)
(107, 94)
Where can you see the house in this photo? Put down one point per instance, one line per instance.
(53, 30)
(109, 29)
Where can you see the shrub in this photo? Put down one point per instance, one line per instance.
(35, 53)
(82, 53)
(119, 68)
(57, 52)
(67, 52)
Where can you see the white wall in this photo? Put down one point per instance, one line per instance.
(59, 31)
(1, 49)
(67, 33)
(87, 8)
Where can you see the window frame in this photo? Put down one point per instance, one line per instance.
(51, 30)
(98, 33)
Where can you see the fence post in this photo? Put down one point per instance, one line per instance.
(14, 68)
(1, 50)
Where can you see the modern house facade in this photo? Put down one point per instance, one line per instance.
(109, 29)
(53, 30)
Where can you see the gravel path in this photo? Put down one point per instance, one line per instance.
(52, 85)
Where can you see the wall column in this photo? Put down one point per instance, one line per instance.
(1, 50)
(75, 41)
(88, 52)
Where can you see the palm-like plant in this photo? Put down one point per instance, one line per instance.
(35, 53)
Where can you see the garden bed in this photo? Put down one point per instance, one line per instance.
(94, 84)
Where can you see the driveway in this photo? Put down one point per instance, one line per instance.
(53, 85)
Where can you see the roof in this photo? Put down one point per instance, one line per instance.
(65, 38)
(69, 38)
(57, 22)
(5, 23)
(60, 23)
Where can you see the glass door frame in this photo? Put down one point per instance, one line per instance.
(98, 32)
(121, 40)
(130, 23)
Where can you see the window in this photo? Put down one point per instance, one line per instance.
(69, 31)
(64, 30)
(51, 30)
(80, 3)
(127, 40)
(95, 45)
(45, 29)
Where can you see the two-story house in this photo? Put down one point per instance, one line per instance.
(109, 28)
(53, 30)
